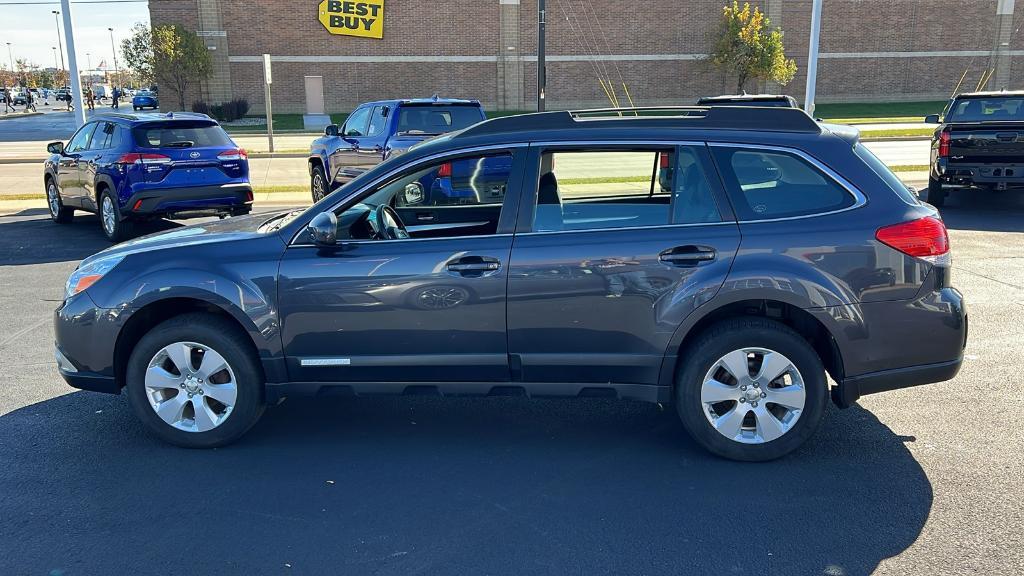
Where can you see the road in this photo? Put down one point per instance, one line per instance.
(917, 481)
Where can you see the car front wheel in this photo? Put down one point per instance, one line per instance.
(195, 382)
(751, 389)
(318, 183)
(58, 213)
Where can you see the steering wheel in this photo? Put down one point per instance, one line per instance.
(389, 224)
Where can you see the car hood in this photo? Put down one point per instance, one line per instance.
(226, 230)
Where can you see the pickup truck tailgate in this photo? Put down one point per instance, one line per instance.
(987, 142)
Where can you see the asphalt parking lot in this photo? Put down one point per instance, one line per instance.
(918, 481)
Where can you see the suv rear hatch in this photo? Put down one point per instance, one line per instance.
(986, 129)
(182, 153)
(418, 121)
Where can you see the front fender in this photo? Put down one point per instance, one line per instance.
(246, 301)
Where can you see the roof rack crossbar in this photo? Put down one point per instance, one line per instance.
(774, 119)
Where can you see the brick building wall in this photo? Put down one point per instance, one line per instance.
(486, 49)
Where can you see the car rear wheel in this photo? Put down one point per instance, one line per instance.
(114, 228)
(195, 382)
(318, 183)
(751, 389)
(58, 213)
(936, 195)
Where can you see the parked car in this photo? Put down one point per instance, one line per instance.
(145, 99)
(63, 94)
(770, 100)
(376, 130)
(978, 145)
(20, 98)
(731, 296)
(135, 167)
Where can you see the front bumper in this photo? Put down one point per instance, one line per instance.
(84, 344)
(192, 201)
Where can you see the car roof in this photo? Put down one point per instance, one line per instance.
(747, 98)
(150, 116)
(415, 101)
(779, 126)
(990, 94)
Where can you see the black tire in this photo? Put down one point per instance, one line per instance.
(58, 212)
(936, 195)
(752, 332)
(120, 229)
(318, 186)
(231, 343)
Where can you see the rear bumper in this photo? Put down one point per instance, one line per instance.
(997, 175)
(231, 199)
(851, 389)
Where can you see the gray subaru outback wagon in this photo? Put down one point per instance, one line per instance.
(773, 251)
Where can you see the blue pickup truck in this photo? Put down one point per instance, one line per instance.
(377, 130)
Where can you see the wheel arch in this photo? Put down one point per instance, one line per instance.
(819, 336)
(150, 315)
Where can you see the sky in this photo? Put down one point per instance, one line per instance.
(32, 32)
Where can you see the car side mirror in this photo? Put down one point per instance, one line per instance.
(323, 229)
(55, 148)
(931, 119)
(331, 130)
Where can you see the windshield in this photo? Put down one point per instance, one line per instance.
(180, 134)
(436, 119)
(995, 109)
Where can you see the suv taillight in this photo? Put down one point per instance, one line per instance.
(445, 171)
(924, 238)
(663, 162)
(237, 154)
(136, 158)
(943, 144)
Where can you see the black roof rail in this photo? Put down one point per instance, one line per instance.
(775, 119)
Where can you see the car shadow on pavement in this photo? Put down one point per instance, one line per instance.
(985, 211)
(30, 237)
(402, 485)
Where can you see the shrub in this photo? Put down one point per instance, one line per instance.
(201, 107)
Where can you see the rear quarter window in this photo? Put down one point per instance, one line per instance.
(878, 167)
(180, 134)
(767, 184)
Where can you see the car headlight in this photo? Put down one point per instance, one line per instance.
(87, 275)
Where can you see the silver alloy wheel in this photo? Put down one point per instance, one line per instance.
(108, 215)
(753, 395)
(52, 199)
(191, 398)
(318, 187)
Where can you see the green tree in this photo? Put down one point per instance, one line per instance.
(170, 55)
(748, 47)
(137, 53)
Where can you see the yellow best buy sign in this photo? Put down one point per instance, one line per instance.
(351, 18)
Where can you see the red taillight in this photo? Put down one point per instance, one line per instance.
(664, 161)
(136, 158)
(248, 195)
(138, 204)
(943, 144)
(445, 171)
(924, 238)
(237, 154)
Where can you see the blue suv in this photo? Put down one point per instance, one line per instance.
(133, 167)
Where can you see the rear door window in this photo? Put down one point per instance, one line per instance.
(767, 184)
(377, 119)
(433, 119)
(595, 190)
(180, 134)
(106, 137)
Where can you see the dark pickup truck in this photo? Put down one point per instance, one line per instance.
(378, 130)
(979, 144)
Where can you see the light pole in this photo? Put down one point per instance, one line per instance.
(56, 20)
(88, 62)
(812, 57)
(541, 55)
(114, 50)
(73, 76)
(54, 48)
(9, 55)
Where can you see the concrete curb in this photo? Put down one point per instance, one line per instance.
(10, 115)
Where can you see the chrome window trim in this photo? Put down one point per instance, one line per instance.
(372, 241)
(652, 143)
(859, 199)
(655, 227)
(405, 166)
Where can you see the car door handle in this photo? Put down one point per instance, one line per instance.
(687, 255)
(473, 264)
(424, 216)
